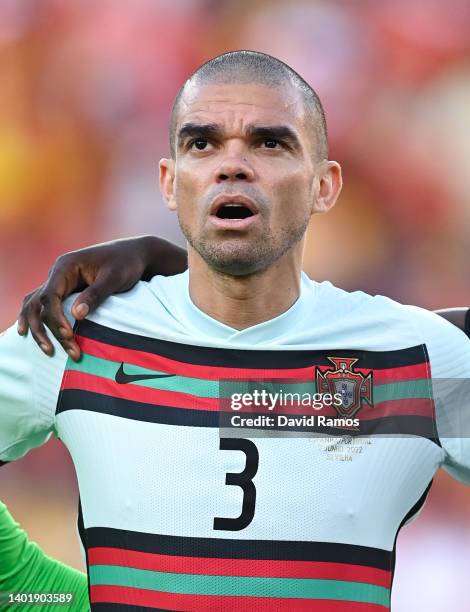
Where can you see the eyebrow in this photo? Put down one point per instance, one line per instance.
(201, 130)
(211, 130)
(275, 132)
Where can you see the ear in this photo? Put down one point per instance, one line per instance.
(167, 179)
(327, 187)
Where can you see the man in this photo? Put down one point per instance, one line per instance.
(176, 517)
(108, 268)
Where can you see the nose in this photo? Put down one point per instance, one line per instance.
(234, 168)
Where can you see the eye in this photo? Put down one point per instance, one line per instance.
(271, 143)
(200, 144)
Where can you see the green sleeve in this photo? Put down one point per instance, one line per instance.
(24, 567)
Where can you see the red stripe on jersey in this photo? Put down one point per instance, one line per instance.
(266, 568)
(180, 368)
(137, 393)
(74, 379)
(420, 406)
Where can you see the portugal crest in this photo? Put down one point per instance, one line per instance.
(354, 387)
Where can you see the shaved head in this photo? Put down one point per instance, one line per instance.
(254, 67)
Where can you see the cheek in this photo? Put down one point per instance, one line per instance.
(191, 196)
(188, 192)
(192, 177)
(293, 197)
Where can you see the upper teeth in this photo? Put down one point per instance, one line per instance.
(233, 204)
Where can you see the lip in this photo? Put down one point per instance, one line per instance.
(233, 224)
(232, 198)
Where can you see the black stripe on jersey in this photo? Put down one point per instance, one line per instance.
(225, 548)
(82, 534)
(75, 399)
(409, 515)
(248, 358)
(467, 323)
(400, 425)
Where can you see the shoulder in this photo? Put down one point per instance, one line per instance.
(158, 291)
(29, 387)
(342, 302)
(372, 322)
(21, 356)
(381, 323)
(150, 308)
(447, 345)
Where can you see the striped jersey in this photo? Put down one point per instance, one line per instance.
(180, 513)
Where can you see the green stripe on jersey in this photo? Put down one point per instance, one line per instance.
(88, 364)
(107, 369)
(201, 387)
(408, 389)
(197, 584)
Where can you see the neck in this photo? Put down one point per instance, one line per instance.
(244, 301)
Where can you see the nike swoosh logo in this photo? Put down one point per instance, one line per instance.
(122, 378)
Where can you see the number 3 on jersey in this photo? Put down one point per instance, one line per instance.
(244, 480)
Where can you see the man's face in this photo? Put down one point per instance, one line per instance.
(242, 180)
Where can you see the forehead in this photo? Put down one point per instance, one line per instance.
(235, 105)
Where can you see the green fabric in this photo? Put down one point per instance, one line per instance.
(25, 568)
(198, 584)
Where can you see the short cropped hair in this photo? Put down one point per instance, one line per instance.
(256, 67)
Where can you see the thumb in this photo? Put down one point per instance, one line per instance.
(90, 298)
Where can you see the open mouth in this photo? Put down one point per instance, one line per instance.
(234, 211)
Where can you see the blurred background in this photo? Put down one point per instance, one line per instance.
(85, 93)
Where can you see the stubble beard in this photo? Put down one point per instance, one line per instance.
(240, 257)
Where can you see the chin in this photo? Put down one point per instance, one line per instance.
(237, 268)
(237, 257)
(233, 261)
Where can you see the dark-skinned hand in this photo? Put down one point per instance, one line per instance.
(96, 272)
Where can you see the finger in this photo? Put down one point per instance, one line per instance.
(80, 308)
(91, 297)
(29, 318)
(53, 316)
(22, 325)
(72, 349)
(63, 279)
(38, 330)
